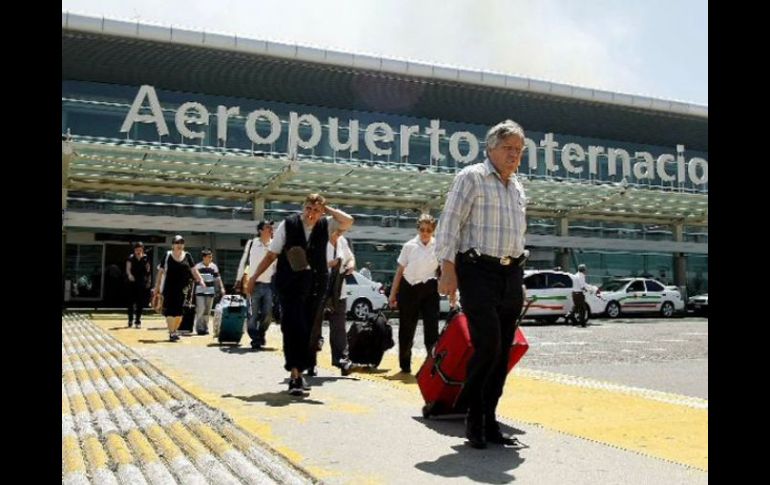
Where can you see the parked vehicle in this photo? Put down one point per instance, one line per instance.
(699, 304)
(552, 293)
(640, 295)
(363, 295)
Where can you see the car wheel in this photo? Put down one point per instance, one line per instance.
(613, 309)
(667, 310)
(361, 309)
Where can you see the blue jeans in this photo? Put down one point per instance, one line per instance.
(260, 308)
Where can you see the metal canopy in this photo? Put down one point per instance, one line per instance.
(112, 166)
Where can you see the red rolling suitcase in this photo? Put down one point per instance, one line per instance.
(443, 373)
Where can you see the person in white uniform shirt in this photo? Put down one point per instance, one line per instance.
(415, 290)
(579, 313)
(261, 299)
(340, 257)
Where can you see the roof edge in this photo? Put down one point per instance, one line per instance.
(233, 43)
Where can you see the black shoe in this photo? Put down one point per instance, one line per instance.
(312, 372)
(295, 386)
(474, 432)
(494, 435)
(303, 384)
(346, 367)
(204, 332)
(406, 370)
(130, 324)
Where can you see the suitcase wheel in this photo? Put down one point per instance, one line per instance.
(426, 410)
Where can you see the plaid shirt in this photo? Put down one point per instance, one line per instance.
(480, 212)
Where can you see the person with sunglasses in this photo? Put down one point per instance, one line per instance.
(415, 290)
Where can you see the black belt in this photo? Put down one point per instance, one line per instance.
(473, 255)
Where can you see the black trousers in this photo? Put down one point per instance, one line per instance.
(298, 313)
(491, 296)
(138, 296)
(413, 301)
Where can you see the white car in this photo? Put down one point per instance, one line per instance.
(640, 295)
(699, 304)
(363, 295)
(551, 295)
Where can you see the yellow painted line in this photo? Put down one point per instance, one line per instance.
(72, 458)
(142, 446)
(95, 454)
(118, 449)
(78, 404)
(192, 447)
(166, 445)
(211, 438)
(672, 432)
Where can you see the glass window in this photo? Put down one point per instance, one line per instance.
(83, 271)
(351, 279)
(535, 281)
(653, 286)
(556, 280)
(637, 285)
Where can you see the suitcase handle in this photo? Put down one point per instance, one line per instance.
(436, 369)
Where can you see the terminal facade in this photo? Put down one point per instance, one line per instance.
(168, 131)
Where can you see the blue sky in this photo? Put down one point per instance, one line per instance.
(655, 48)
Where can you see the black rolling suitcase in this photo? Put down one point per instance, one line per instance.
(368, 341)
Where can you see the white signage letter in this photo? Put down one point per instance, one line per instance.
(593, 159)
(549, 146)
(251, 127)
(156, 117)
(454, 146)
(223, 112)
(371, 137)
(334, 136)
(644, 169)
(406, 132)
(662, 174)
(434, 133)
(612, 167)
(570, 152)
(294, 139)
(181, 119)
(692, 170)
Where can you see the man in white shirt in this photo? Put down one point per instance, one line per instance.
(261, 299)
(341, 258)
(579, 313)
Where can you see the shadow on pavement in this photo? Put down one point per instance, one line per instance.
(454, 425)
(275, 399)
(402, 377)
(490, 465)
(238, 349)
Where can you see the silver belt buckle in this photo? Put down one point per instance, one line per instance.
(505, 260)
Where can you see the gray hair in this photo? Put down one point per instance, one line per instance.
(502, 130)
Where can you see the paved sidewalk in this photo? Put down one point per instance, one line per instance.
(368, 428)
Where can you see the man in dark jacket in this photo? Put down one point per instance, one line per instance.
(299, 245)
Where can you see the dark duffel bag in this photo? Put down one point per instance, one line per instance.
(368, 341)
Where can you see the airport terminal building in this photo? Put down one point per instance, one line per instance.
(168, 131)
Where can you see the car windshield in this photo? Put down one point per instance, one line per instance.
(613, 285)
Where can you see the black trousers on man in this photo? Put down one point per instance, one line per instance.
(413, 301)
(138, 296)
(491, 297)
